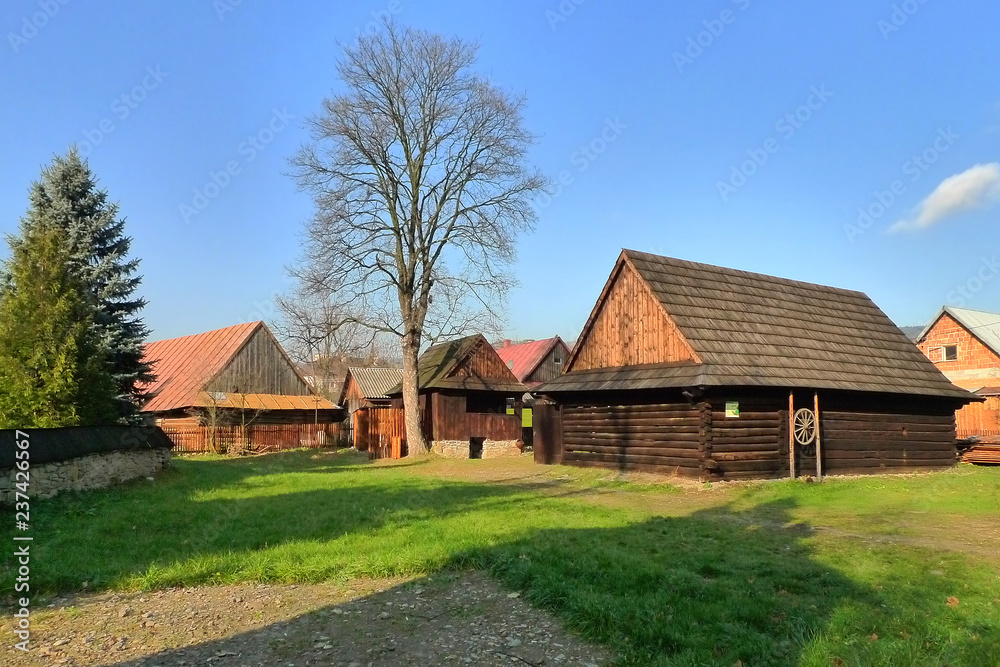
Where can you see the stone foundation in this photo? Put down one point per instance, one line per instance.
(96, 471)
(459, 449)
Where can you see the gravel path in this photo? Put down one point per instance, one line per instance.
(450, 619)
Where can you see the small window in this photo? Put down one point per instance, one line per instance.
(557, 359)
(951, 352)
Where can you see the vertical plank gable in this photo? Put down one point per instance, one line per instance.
(260, 367)
(630, 327)
(483, 362)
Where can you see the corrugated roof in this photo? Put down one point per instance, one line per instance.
(437, 364)
(752, 329)
(264, 401)
(522, 359)
(375, 382)
(183, 366)
(981, 324)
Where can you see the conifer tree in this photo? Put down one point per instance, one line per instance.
(67, 197)
(53, 371)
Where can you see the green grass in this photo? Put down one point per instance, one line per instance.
(851, 572)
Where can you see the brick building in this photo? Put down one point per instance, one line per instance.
(965, 345)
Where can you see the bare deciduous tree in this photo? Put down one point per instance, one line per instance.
(418, 173)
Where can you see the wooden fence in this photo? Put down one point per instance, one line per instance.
(381, 431)
(256, 438)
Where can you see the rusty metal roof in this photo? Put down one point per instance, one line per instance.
(183, 366)
(263, 401)
(523, 358)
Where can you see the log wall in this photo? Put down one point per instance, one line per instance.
(699, 440)
(660, 438)
(861, 443)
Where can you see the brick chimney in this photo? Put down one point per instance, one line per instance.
(506, 342)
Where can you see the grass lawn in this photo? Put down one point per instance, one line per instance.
(880, 571)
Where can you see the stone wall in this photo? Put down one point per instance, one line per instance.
(459, 449)
(95, 471)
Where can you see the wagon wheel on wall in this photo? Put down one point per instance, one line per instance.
(805, 427)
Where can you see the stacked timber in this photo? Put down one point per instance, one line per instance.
(859, 443)
(983, 453)
(663, 438)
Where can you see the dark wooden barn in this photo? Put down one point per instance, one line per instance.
(465, 392)
(716, 373)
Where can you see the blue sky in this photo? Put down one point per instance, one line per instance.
(734, 132)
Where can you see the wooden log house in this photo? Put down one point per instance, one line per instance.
(713, 373)
(465, 391)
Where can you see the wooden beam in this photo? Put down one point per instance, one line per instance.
(791, 434)
(819, 451)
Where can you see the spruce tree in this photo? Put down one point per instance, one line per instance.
(53, 370)
(67, 197)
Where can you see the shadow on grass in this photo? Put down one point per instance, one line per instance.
(715, 587)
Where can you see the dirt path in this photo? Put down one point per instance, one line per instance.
(451, 619)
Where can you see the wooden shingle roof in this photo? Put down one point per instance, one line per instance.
(755, 330)
(449, 366)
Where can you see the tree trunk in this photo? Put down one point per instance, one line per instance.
(415, 442)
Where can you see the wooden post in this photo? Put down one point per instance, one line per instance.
(791, 434)
(819, 451)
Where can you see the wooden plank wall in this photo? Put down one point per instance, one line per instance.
(260, 368)
(548, 369)
(631, 328)
(861, 443)
(452, 422)
(660, 438)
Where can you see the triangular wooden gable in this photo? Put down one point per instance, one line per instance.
(629, 327)
(261, 365)
(482, 361)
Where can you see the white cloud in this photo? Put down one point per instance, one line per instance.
(974, 188)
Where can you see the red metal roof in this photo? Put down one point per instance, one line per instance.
(184, 365)
(522, 359)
